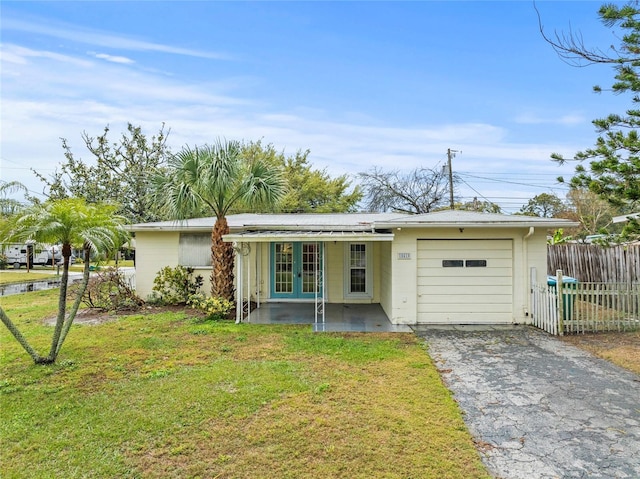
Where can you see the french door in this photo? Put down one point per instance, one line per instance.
(293, 269)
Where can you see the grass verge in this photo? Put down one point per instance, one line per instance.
(621, 348)
(163, 395)
(17, 276)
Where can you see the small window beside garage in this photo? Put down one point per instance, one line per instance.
(452, 263)
(476, 263)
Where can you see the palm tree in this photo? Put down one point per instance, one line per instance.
(70, 222)
(10, 206)
(215, 179)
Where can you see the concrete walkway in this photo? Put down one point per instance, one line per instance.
(538, 407)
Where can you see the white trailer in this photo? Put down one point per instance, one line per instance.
(18, 254)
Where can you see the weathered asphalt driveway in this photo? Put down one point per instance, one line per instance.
(538, 407)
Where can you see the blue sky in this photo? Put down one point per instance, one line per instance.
(360, 84)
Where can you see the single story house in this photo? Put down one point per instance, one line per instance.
(443, 267)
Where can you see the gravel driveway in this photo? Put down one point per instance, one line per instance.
(538, 407)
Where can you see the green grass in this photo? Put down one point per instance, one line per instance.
(162, 395)
(21, 276)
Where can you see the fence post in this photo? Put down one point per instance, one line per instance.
(560, 302)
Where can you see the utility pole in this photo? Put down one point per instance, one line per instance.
(450, 154)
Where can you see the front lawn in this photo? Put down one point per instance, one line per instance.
(162, 395)
(621, 348)
(21, 276)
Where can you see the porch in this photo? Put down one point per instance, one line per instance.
(369, 318)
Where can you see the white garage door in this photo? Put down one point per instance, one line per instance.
(465, 281)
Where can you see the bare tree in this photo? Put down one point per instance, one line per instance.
(594, 214)
(571, 48)
(419, 191)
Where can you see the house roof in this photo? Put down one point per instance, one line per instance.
(291, 221)
(304, 224)
(279, 235)
(472, 219)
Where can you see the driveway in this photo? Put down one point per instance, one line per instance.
(537, 407)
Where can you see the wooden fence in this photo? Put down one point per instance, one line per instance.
(585, 306)
(594, 263)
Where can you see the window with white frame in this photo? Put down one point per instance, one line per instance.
(358, 270)
(195, 249)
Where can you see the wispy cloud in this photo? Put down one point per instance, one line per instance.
(112, 58)
(84, 94)
(567, 119)
(103, 39)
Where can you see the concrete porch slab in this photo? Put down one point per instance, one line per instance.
(338, 317)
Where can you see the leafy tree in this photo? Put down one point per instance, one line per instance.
(308, 190)
(120, 172)
(70, 222)
(613, 171)
(216, 179)
(544, 205)
(419, 191)
(314, 191)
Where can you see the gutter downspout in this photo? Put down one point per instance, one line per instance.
(525, 267)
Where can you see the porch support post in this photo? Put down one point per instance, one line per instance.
(258, 272)
(238, 284)
(319, 281)
(249, 285)
(323, 278)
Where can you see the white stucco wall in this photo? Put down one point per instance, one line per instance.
(154, 251)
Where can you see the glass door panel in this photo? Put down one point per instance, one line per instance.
(283, 268)
(309, 265)
(294, 267)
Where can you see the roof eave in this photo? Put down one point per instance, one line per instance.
(465, 224)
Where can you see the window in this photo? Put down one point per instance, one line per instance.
(358, 270)
(476, 263)
(459, 263)
(452, 263)
(195, 249)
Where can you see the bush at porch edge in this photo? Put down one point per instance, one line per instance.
(215, 308)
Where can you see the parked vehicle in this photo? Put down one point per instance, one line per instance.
(18, 254)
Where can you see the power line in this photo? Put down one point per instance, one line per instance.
(512, 182)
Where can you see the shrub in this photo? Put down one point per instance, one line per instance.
(215, 308)
(3, 261)
(175, 285)
(108, 291)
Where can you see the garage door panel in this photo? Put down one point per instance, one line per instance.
(501, 280)
(463, 245)
(497, 309)
(452, 293)
(465, 294)
(469, 273)
(492, 262)
(472, 302)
